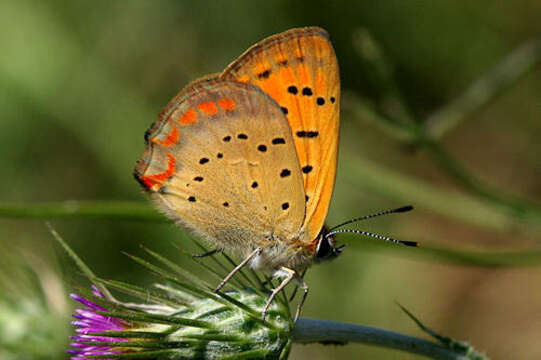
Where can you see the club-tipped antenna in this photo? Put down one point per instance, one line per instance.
(379, 237)
(385, 212)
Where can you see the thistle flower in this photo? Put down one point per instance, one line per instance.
(180, 319)
(90, 321)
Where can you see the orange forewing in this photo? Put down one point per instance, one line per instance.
(299, 70)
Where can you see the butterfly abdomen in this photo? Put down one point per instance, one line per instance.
(280, 254)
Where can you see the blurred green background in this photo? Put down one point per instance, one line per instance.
(81, 81)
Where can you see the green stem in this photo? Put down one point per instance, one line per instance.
(514, 205)
(521, 61)
(113, 210)
(374, 178)
(371, 177)
(323, 331)
(357, 107)
(382, 70)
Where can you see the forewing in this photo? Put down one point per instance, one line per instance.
(299, 70)
(221, 160)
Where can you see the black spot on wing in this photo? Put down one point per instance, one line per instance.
(307, 134)
(292, 90)
(264, 75)
(306, 169)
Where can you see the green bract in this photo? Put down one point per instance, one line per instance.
(181, 319)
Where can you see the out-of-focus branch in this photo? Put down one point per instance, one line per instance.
(521, 61)
(377, 179)
(113, 210)
(381, 70)
(493, 83)
(381, 180)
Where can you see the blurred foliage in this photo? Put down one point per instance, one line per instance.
(81, 81)
(33, 305)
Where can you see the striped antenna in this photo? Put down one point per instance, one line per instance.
(380, 237)
(385, 212)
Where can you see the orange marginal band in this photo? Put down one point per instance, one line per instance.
(227, 104)
(189, 117)
(171, 139)
(157, 179)
(208, 108)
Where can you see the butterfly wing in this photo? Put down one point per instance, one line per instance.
(221, 161)
(299, 70)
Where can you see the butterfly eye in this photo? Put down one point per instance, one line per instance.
(324, 248)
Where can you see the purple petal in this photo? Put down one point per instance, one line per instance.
(96, 291)
(88, 321)
(87, 303)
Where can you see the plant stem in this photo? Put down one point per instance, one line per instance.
(522, 60)
(513, 67)
(112, 210)
(521, 208)
(513, 205)
(370, 176)
(312, 331)
(379, 65)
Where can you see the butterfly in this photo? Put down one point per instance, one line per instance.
(247, 158)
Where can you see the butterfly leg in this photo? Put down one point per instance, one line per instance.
(208, 253)
(294, 292)
(238, 267)
(301, 302)
(290, 274)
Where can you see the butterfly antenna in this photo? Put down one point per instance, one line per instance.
(380, 237)
(385, 212)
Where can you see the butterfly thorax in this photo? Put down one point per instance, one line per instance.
(297, 254)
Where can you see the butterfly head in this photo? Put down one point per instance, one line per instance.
(325, 242)
(325, 248)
